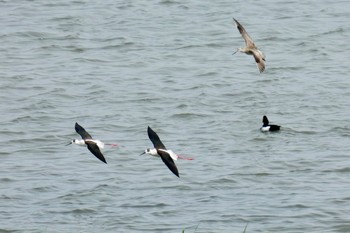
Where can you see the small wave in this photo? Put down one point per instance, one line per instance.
(335, 31)
(83, 211)
(8, 231)
(342, 130)
(210, 45)
(168, 2)
(188, 115)
(156, 205)
(338, 170)
(5, 179)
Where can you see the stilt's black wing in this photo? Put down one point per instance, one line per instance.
(157, 143)
(95, 150)
(169, 162)
(82, 132)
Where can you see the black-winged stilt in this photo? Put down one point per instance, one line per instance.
(93, 145)
(159, 150)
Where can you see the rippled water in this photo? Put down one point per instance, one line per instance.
(118, 66)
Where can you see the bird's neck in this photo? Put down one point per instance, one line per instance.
(79, 142)
(153, 152)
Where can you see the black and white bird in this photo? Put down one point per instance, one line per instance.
(159, 150)
(251, 48)
(93, 145)
(267, 127)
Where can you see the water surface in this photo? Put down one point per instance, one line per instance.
(117, 66)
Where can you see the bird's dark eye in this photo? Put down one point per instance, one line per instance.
(148, 150)
(73, 140)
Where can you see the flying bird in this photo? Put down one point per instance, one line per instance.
(267, 127)
(159, 150)
(93, 145)
(251, 48)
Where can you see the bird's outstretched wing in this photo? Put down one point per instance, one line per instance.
(95, 150)
(248, 40)
(157, 143)
(259, 59)
(82, 132)
(169, 162)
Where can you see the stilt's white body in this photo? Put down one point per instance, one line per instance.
(81, 142)
(154, 153)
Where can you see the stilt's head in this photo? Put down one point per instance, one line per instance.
(77, 141)
(149, 151)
